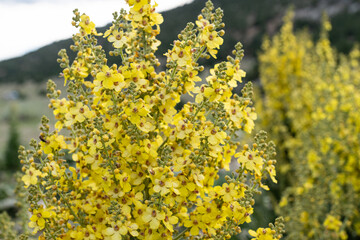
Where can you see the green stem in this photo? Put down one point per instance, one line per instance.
(199, 54)
(162, 145)
(198, 110)
(71, 210)
(145, 43)
(122, 56)
(49, 231)
(173, 73)
(112, 167)
(41, 194)
(180, 234)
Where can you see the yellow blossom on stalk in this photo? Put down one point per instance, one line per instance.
(117, 38)
(136, 111)
(216, 136)
(209, 36)
(78, 113)
(169, 222)
(215, 92)
(229, 191)
(110, 79)
(153, 217)
(137, 4)
(53, 143)
(31, 177)
(332, 223)
(213, 42)
(87, 25)
(251, 161)
(119, 229)
(195, 224)
(124, 182)
(249, 118)
(235, 111)
(181, 55)
(129, 161)
(263, 234)
(228, 152)
(38, 218)
(234, 73)
(60, 107)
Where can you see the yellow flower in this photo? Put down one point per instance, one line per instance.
(209, 210)
(167, 111)
(195, 224)
(164, 185)
(117, 38)
(38, 218)
(213, 41)
(332, 223)
(215, 135)
(78, 113)
(136, 112)
(137, 4)
(234, 73)
(114, 125)
(169, 221)
(87, 25)
(263, 234)
(228, 153)
(124, 182)
(251, 161)
(136, 74)
(110, 79)
(185, 186)
(132, 228)
(80, 70)
(30, 177)
(153, 217)
(230, 192)
(209, 36)
(156, 18)
(249, 117)
(146, 124)
(181, 55)
(235, 111)
(183, 129)
(53, 143)
(116, 231)
(93, 144)
(60, 106)
(272, 172)
(214, 92)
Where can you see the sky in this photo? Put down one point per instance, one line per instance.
(27, 25)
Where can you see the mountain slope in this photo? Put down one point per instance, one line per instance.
(245, 21)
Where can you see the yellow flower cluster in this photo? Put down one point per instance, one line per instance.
(263, 234)
(123, 162)
(311, 105)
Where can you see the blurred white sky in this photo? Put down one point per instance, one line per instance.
(27, 25)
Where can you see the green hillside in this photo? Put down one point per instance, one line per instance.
(246, 21)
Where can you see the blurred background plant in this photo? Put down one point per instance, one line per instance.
(12, 162)
(310, 107)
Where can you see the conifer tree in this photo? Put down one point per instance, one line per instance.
(12, 162)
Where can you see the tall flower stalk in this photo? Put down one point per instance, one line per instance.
(139, 168)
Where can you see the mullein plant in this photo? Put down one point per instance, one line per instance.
(139, 168)
(312, 94)
(16, 228)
